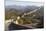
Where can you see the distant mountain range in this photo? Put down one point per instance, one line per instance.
(20, 9)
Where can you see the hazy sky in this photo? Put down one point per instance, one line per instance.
(30, 0)
(14, 2)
